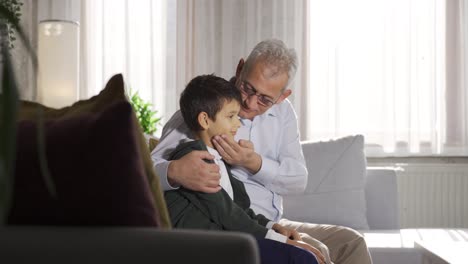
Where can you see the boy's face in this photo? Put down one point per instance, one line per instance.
(227, 120)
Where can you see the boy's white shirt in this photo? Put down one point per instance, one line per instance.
(225, 183)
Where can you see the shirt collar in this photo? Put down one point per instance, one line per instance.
(273, 112)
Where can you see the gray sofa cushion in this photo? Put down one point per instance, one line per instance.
(335, 188)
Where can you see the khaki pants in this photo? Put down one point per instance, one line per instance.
(340, 245)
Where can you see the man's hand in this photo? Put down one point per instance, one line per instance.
(320, 258)
(288, 232)
(192, 172)
(240, 154)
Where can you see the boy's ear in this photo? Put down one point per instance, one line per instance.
(203, 120)
(284, 95)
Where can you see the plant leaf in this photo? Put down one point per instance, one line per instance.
(144, 113)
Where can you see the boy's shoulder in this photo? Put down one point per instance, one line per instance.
(186, 147)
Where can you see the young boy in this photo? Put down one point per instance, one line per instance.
(209, 106)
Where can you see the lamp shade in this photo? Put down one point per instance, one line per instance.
(58, 55)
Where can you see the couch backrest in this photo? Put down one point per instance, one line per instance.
(334, 193)
(382, 198)
(342, 190)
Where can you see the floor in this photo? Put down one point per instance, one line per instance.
(398, 246)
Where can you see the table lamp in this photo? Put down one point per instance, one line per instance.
(58, 55)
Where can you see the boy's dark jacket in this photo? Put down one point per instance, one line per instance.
(216, 211)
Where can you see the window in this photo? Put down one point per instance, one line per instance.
(392, 70)
(388, 69)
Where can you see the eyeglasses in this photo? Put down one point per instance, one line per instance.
(262, 99)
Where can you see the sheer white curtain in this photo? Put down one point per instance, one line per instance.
(116, 36)
(212, 36)
(128, 37)
(456, 96)
(392, 70)
(32, 12)
(160, 46)
(22, 61)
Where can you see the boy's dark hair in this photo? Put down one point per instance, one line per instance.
(206, 93)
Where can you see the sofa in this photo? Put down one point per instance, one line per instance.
(90, 194)
(343, 189)
(95, 197)
(372, 193)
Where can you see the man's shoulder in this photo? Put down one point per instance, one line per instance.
(286, 104)
(176, 119)
(175, 127)
(285, 108)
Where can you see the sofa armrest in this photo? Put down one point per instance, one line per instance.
(382, 198)
(124, 245)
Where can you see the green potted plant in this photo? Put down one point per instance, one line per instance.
(146, 115)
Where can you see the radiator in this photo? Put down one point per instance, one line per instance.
(433, 195)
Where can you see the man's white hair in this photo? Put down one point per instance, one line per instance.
(274, 54)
